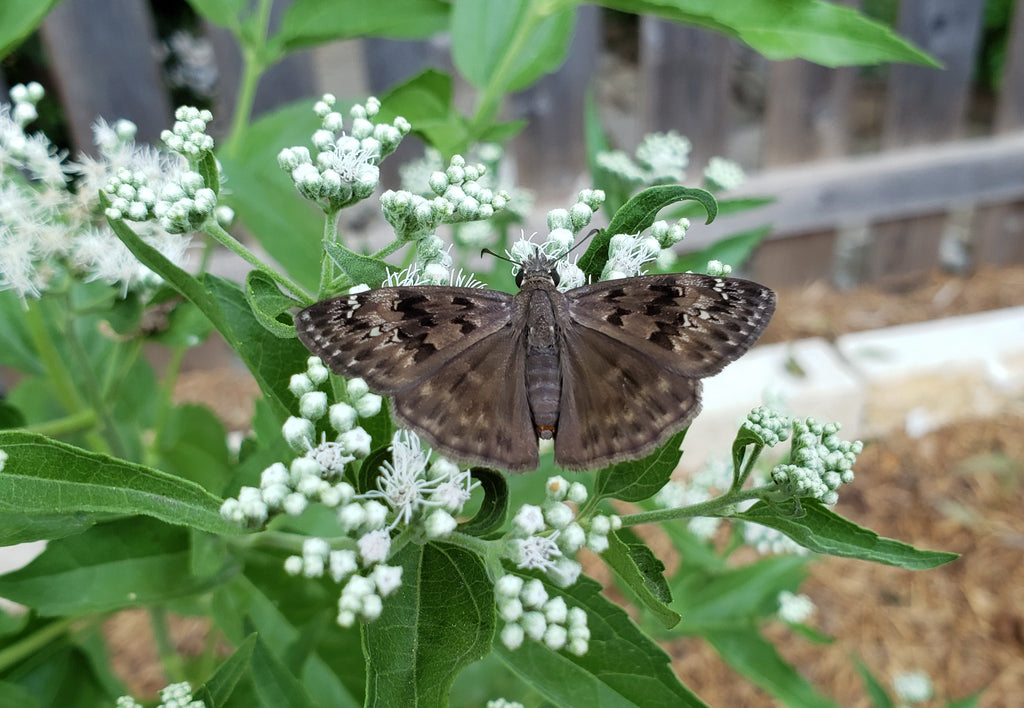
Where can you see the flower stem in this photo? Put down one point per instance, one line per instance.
(216, 231)
(714, 507)
(254, 63)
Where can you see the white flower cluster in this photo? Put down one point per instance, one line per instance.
(460, 197)
(188, 137)
(181, 206)
(362, 595)
(316, 475)
(795, 609)
(913, 687)
(503, 703)
(419, 491)
(723, 174)
(547, 537)
(46, 228)
(768, 424)
(176, 695)
(768, 541)
(416, 176)
(628, 253)
(3, 459)
(819, 462)
(661, 158)
(718, 269)
(529, 612)
(346, 168)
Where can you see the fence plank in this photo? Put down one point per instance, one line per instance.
(807, 112)
(895, 184)
(925, 105)
(101, 54)
(289, 80)
(797, 260)
(997, 236)
(550, 152)
(684, 85)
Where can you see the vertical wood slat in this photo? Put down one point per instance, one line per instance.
(288, 80)
(684, 85)
(807, 111)
(102, 59)
(997, 236)
(550, 151)
(925, 105)
(794, 261)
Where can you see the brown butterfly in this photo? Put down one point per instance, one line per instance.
(609, 370)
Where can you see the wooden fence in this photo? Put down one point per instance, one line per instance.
(876, 173)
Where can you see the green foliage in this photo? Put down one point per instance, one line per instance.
(127, 487)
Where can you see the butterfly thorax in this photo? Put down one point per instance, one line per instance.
(537, 305)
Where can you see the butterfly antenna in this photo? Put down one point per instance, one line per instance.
(499, 256)
(582, 241)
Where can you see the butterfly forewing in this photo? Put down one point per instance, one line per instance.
(394, 337)
(688, 323)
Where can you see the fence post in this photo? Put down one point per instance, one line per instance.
(101, 52)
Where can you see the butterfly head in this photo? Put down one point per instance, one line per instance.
(537, 267)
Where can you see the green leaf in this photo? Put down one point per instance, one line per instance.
(275, 685)
(225, 13)
(46, 477)
(277, 605)
(637, 567)
(16, 349)
(264, 197)
(359, 268)
(823, 531)
(268, 302)
(735, 597)
(18, 19)
(307, 23)
(636, 480)
(828, 34)
(193, 446)
(427, 102)
(638, 214)
(369, 468)
(126, 563)
(10, 416)
(493, 508)
(440, 620)
(733, 250)
(506, 46)
(880, 698)
(210, 172)
(272, 361)
(623, 666)
(218, 688)
(756, 659)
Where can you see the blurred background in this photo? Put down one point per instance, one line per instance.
(897, 203)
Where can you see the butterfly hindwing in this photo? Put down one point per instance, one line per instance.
(617, 403)
(689, 323)
(474, 406)
(392, 337)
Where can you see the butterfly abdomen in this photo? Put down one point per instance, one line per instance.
(543, 373)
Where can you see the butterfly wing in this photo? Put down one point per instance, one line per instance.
(474, 407)
(617, 403)
(634, 351)
(689, 323)
(392, 337)
(448, 357)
